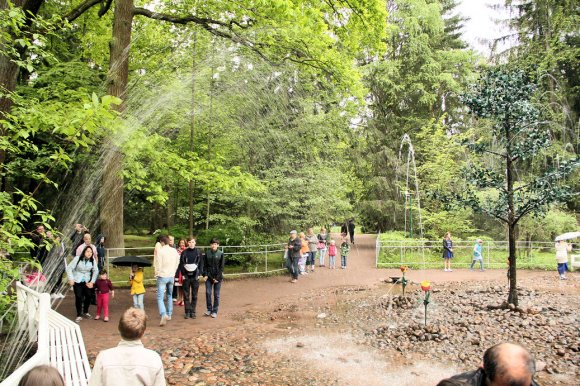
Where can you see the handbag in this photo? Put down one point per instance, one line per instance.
(190, 267)
(321, 245)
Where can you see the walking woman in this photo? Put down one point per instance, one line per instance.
(322, 246)
(82, 274)
(447, 251)
(562, 249)
(191, 264)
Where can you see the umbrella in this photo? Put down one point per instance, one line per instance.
(568, 236)
(127, 261)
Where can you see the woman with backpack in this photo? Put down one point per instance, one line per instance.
(82, 273)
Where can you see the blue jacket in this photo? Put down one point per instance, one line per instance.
(80, 271)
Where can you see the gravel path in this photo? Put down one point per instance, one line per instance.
(335, 325)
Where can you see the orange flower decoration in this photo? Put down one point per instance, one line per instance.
(404, 268)
(426, 285)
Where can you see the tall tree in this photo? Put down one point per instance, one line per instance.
(505, 98)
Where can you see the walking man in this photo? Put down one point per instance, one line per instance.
(166, 263)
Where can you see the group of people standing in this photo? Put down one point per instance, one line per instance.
(182, 267)
(302, 249)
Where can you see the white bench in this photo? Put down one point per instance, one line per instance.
(60, 340)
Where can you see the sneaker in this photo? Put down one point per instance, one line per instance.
(97, 317)
(168, 317)
(293, 281)
(106, 319)
(186, 316)
(78, 319)
(163, 321)
(192, 316)
(449, 270)
(214, 315)
(207, 313)
(87, 315)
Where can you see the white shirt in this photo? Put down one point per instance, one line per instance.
(166, 261)
(128, 364)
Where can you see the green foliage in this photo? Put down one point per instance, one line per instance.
(547, 227)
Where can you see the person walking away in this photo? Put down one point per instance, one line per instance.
(213, 266)
(191, 264)
(344, 248)
(447, 251)
(137, 287)
(101, 252)
(293, 247)
(477, 255)
(86, 243)
(312, 246)
(562, 249)
(38, 252)
(130, 363)
(304, 253)
(322, 246)
(104, 287)
(82, 274)
(351, 227)
(331, 254)
(344, 228)
(166, 264)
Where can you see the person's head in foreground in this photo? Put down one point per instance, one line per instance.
(505, 364)
(132, 324)
(43, 375)
(508, 364)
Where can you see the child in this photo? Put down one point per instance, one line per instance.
(137, 287)
(344, 248)
(304, 253)
(103, 286)
(331, 254)
(477, 255)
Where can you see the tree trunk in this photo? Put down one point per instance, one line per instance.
(513, 290)
(112, 198)
(192, 131)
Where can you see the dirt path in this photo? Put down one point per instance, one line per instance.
(278, 315)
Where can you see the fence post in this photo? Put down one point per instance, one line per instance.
(266, 269)
(488, 256)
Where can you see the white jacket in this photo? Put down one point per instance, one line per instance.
(562, 249)
(128, 364)
(166, 261)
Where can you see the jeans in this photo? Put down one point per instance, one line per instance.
(293, 267)
(216, 295)
(331, 260)
(322, 255)
(138, 301)
(343, 261)
(311, 258)
(190, 287)
(103, 304)
(82, 298)
(562, 268)
(165, 284)
(480, 264)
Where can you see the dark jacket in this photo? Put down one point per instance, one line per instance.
(191, 256)
(476, 378)
(101, 252)
(344, 228)
(296, 246)
(213, 265)
(351, 227)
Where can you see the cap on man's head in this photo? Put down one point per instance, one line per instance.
(293, 232)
